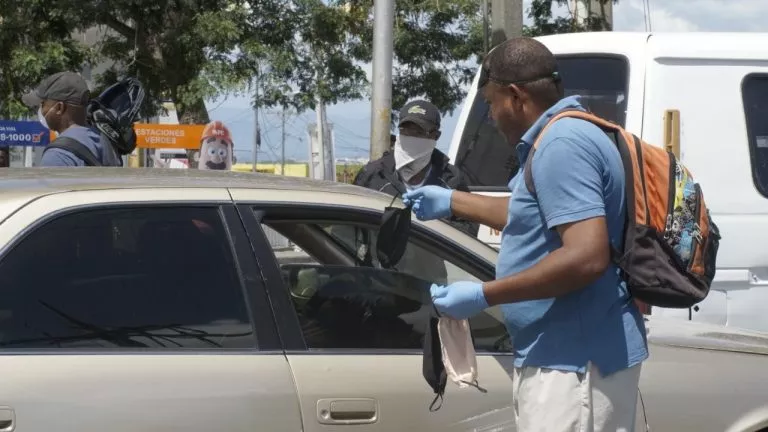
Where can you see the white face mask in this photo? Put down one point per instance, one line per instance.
(41, 117)
(458, 351)
(412, 155)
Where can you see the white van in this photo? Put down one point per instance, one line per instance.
(705, 97)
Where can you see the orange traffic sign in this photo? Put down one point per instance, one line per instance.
(149, 135)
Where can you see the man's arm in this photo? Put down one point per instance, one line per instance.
(568, 178)
(581, 260)
(455, 180)
(490, 211)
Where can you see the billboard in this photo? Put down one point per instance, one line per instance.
(23, 134)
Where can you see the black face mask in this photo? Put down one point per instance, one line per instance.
(394, 232)
(433, 369)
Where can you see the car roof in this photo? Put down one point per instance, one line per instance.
(41, 181)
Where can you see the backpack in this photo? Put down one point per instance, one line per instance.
(76, 148)
(670, 241)
(115, 110)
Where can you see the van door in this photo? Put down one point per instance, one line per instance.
(722, 97)
(486, 159)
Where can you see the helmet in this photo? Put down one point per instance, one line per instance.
(216, 129)
(115, 110)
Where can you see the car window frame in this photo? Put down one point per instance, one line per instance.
(751, 137)
(253, 290)
(254, 213)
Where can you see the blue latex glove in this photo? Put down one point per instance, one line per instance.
(459, 300)
(429, 202)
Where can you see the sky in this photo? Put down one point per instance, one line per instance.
(352, 121)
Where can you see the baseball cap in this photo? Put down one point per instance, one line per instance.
(422, 113)
(216, 129)
(67, 87)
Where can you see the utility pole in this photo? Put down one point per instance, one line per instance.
(256, 138)
(381, 107)
(486, 35)
(257, 125)
(282, 142)
(506, 20)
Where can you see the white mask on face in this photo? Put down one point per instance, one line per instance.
(412, 155)
(41, 117)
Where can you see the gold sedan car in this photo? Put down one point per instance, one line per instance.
(162, 300)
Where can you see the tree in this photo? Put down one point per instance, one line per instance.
(31, 55)
(435, 43)
(544, 23)
(184, 51)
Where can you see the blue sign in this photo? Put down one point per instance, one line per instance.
(23, 133)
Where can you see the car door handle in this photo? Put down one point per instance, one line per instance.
(7, 419)
(349, 411)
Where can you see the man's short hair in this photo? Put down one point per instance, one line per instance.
(526, 60)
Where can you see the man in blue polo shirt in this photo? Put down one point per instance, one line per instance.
(579, 340)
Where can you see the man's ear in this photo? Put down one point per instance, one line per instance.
(518, 95)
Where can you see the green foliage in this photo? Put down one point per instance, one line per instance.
(34, 43)
(181, 50)
(436, 47)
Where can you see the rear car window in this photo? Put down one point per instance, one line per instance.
(754, 92)
(124, 278)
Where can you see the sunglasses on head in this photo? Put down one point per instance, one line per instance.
(485, 77)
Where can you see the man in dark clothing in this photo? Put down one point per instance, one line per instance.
(415, 161)
(61, 101)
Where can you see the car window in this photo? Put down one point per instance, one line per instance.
(128, 278)
(600, 80)
(358, 304)
(755, 94)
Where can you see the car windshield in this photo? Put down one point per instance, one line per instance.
(489, 162)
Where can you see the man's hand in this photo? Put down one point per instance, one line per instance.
(429, 202)
(459, 300)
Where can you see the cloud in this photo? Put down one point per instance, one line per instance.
(688, 15)
(629, 16)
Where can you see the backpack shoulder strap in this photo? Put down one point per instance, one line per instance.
(76, 148)
(610, 128)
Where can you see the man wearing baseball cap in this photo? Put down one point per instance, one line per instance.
(415, 160)
(61, 101)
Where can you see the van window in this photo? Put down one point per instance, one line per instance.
(489, 162)
(754, 91)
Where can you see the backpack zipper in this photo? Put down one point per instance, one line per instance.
(671, 196)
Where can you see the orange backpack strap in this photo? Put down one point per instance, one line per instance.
(609, 128)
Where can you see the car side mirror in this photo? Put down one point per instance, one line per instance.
(394, 231)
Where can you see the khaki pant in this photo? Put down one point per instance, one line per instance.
(547, 400)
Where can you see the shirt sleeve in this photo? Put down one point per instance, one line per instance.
(60, 158)
(568, 177)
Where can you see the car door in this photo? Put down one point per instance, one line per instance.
(362, 369)
(137, 315)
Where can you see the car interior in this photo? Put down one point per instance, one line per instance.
(346, 300)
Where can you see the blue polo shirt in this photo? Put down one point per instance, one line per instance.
(578, 175)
